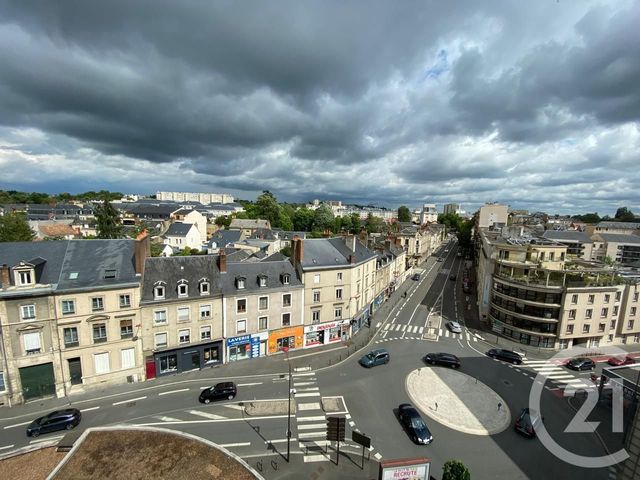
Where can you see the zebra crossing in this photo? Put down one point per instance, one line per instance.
(310, 418)
(416, 332)
(400, 327)
(558, 375)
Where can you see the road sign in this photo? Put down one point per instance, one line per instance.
(361, 439)
(336, 428)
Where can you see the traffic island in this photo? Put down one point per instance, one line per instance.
(458, 401)
(258, 408)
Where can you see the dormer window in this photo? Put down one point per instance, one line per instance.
(25, 278)
(262, 281)
(204, 287)
(286, 279)
(158, 291)
(240, 283)
(183, 288)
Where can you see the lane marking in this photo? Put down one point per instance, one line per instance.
(172, 391)
(165, 419)
(205, 414)
(88, 409)
(194, 422)
(129, 401)
(18, 424)
(312, 419)
(249, 384)
(46, 439)
(279, 440)
(308, 406)
(313, 426)
(6, 447)
(239, 444)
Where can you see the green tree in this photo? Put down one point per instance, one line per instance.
(267, 208)
(223, 221)
(15, 228)
(455, 470)
(107, 221)
(356, 223)
(623, 214)
(156, 249)
(286, 250)
(589, 217)
(374, 224)
(323, 218)
(284, 220)
(303, 219)
(404, 214)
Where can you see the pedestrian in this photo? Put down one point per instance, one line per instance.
(499, 406)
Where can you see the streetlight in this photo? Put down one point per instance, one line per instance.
(286, 353)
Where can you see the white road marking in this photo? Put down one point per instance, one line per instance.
(46, 439)
(166, 419)
(89, 409)
(205, 414)
(129, 401)
(194, 422)
(308, 406)
(313, 426)
(279, 440)
(302, 384)
(173, 391)
(378, 325)
(386, 327)
(377, 456)
(18, 424)
(311, 419)
(239, 444)
(249, 384)
(6, 447)
(305, 374)
(308, 389)
(312, 434)
(421, 330)
(315, 458)
(234, 407)
(309, 394)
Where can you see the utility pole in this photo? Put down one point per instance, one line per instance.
(286, 353)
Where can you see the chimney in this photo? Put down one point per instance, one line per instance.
(387, 244)
(350, 241)
(299, 252)
(4, 277)
(142, 250)
(352, 258)
(222, 261)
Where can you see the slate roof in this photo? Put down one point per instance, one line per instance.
(12, 253)
(222, 238)
(275, 257)
(249, 223)
(620, 238)
(567, 235)
(251, 272)
(171, 270)
(178, 229)
(288, 235)
(619, 225)
(237, 254)
(331, 252)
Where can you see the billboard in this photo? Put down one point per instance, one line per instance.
(405, 469)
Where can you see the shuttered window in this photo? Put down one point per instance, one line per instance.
(128, 357)
(101, 362)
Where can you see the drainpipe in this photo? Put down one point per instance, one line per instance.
(7, 382)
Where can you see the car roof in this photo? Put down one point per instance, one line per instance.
(223, 385)
(444, 354)
(378, 351)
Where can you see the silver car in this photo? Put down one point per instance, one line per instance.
(454, 327)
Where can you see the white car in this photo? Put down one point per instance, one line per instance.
(455, 327)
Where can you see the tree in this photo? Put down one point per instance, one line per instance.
(455, 470)
(156, 249)
(404, 214)
(284, 220)
(303, 219)
(623, 214)
(107, 221)
(589, 217)
(286, 250)
(15, 228)
(374, 224)
(322, 218)
(267, 208)
(223, 221)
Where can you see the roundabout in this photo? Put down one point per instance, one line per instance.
(458, 401)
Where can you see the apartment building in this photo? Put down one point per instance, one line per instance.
(530, 290)
(492, 215)
(579, 244)
(621, 248)
(339, 286)
(181, 309)
(203, 198)
(68, 316)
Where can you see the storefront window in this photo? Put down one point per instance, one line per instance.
(211, 354)
(289, 342)
(168, 363)
(315, 338)
(239, 352)
(334, 334)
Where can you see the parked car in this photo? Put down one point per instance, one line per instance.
(446, 250)
(454, 327)
(220, 391)
(416, 276)
(59, 420)
(445, 359)
(414, 424)
(452, 277)
(459, 254)
(506, 355)
(617, 361)
(375, 357)
(581, 363)
(440, 259)
(527, 422)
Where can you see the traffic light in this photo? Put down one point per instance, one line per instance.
(336, 428)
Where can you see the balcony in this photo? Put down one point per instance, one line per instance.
(533, 280)
(525, 301)
(520, 329)
(547, 318)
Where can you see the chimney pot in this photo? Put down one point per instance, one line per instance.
(4, 276)
(222, 261)
(142, 250)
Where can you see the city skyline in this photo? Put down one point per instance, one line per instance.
(432, 103)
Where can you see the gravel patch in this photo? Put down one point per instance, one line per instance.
(35, 465)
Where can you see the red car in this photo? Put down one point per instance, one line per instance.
(617, 361)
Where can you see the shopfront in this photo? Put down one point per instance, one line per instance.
(361, 320)
(290, 337)
(378, 301)
(189, 357)
(324, 333)
(239, 348)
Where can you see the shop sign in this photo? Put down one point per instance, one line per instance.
(409, 469)
(255, 347)
(241, 340)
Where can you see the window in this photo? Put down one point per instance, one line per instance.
(126, 328)
(604, 312)
(610, 338)
(316, 278)
(101, 362)
(125, 300)
(574, 299)
(110, 274)
(263, 303)
(591, 299)
(128, 358)
(159, 316)
(158, 292)
(635, 296)
(316, 296)
(183, 314)
(607, 297)
(569, 329)
(97, 304)
(241, 305)
(338, 293)
(286, 319)
(315, 316)
(572, 314)
(241, 326)
(286, 279)
(595, 342)
(25, 278)
(612, 325)
(205, 333)
(588, 313)
(286, 300)
(28, 312)
(601, 327)
(337, 313)
(636, 338)
(339, 276)
(160, 340)
(205, 311)
(70, 336)
(586, 328)
(204, 288)
(240, 283)
(615, 310)
(630, 324)
(183, 290)
(184, 336)
(99, 333)
(31, 343)
(263, 323)
(632, 311)
(618, 294)
(2, 387)
(68, 307)
(262, 281)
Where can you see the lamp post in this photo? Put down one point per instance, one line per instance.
(286, 353)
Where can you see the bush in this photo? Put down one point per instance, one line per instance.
(455, 470)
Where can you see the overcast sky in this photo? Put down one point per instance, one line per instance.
(533, 104)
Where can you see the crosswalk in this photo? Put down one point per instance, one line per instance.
(558, 375)
(390, 332)
(310, 418)
(399, 327)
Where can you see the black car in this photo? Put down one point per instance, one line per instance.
(416, 276)
(452, 277)
(527, 422)
(414, 424)
(219, 391)
(581, 363)
(59, 420)
(446, 359)
(505, 355)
